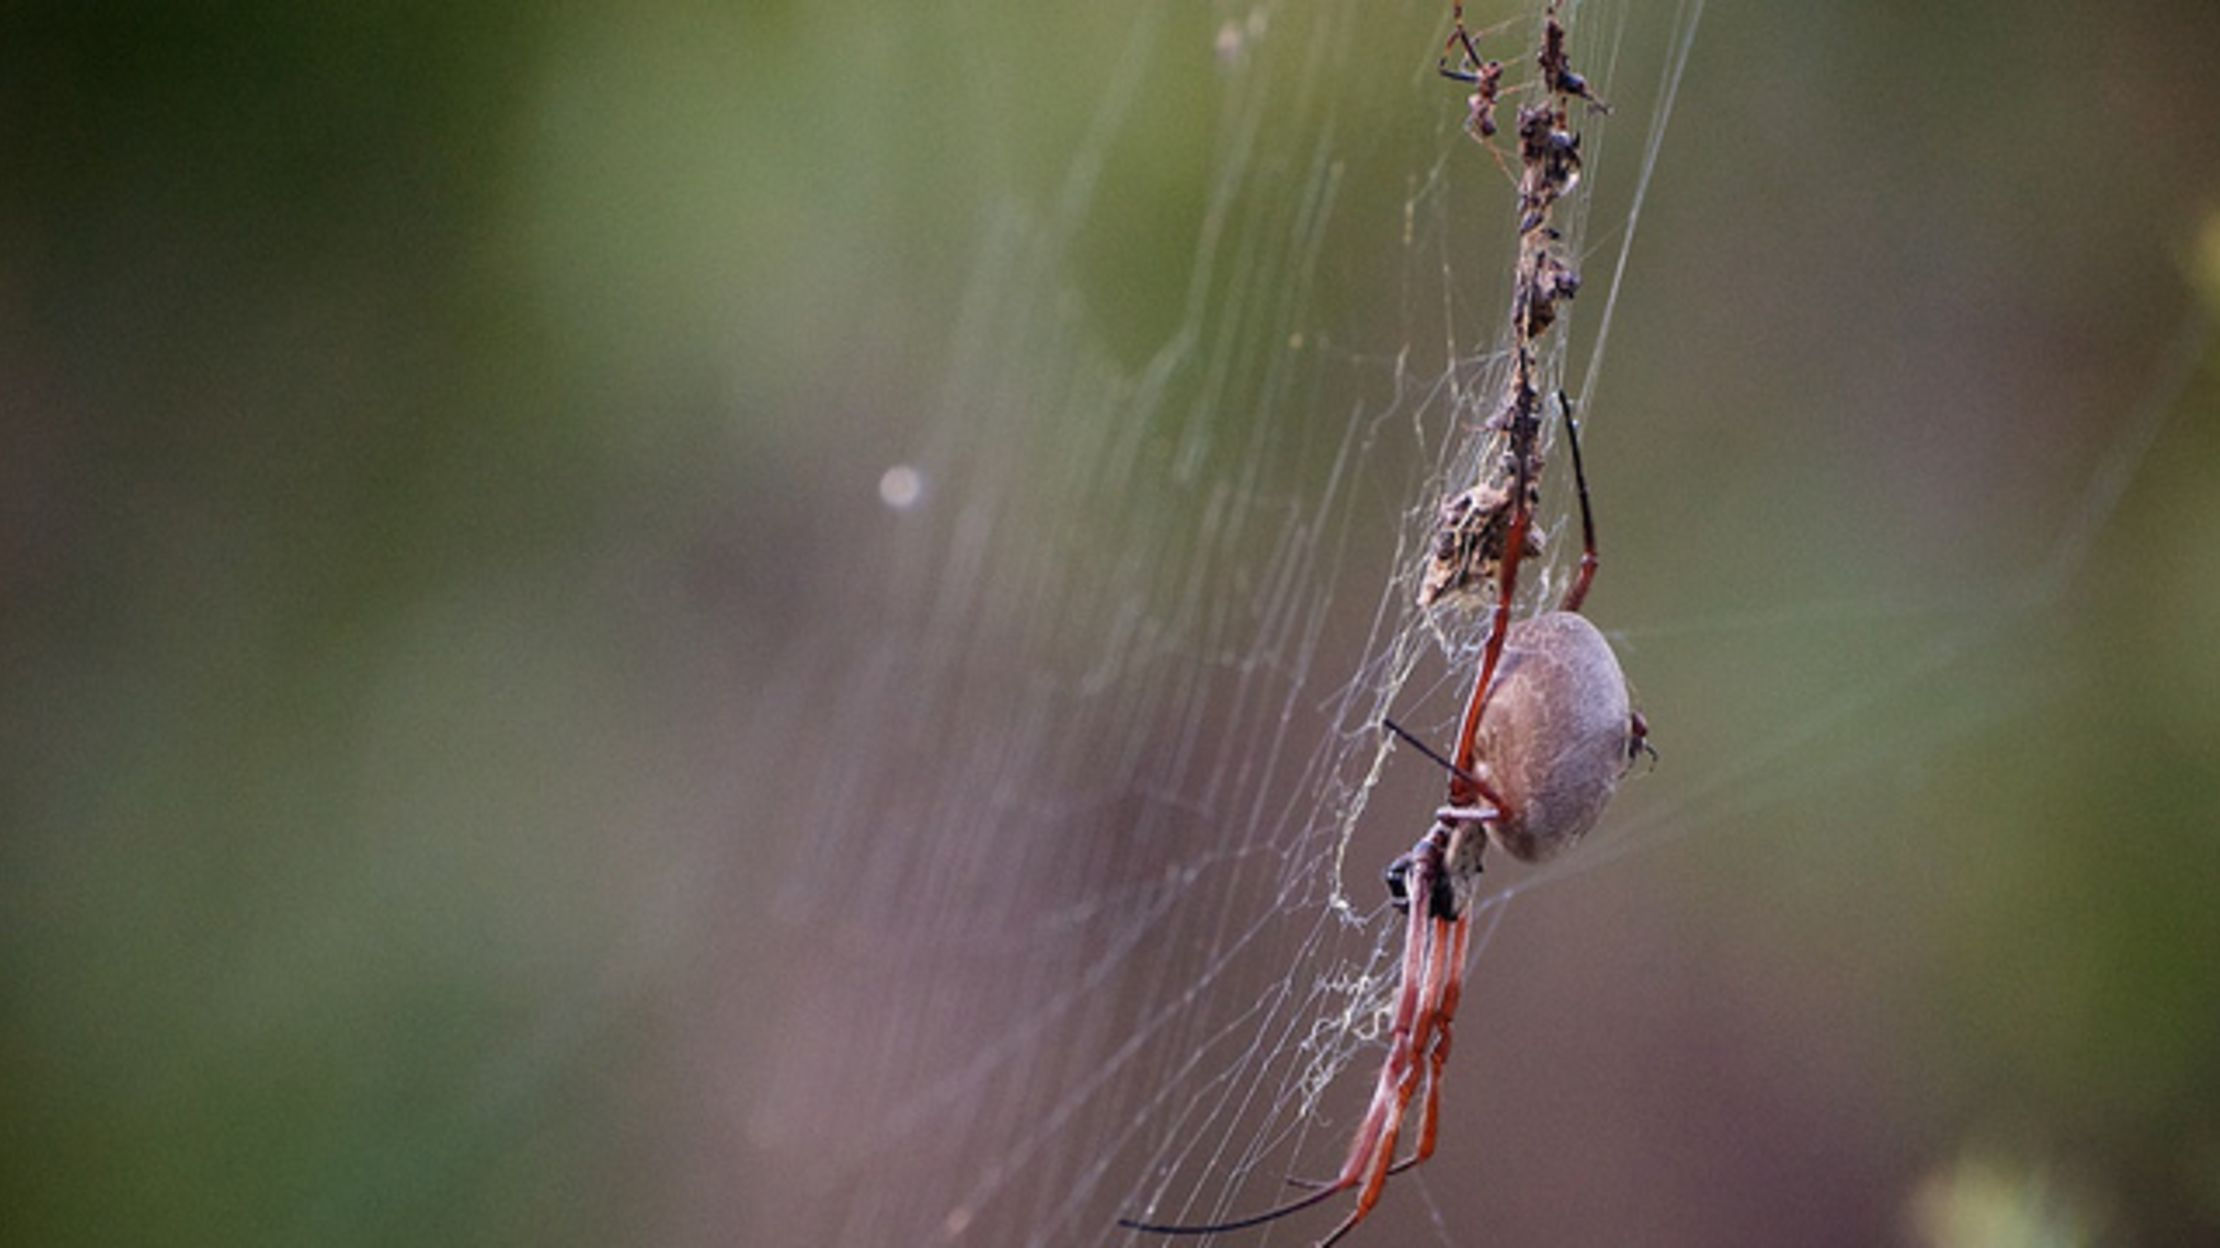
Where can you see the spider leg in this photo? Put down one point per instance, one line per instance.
(1578, 593)
(1507, 583)
(1456, 936)
(1429, 752)
(1482, 807)
(1417, 1007)
(1468, 737)
(1372, 1153)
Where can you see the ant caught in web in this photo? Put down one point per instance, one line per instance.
(1549, 730)
(1485, 76)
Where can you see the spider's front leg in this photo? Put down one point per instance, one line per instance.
(1452, 941)
(1434, 944)
(1372, 1152)
(1434, 949)
(1451, 859)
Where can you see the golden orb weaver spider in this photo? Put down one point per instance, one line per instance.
(1549, 729)
(1548, 733)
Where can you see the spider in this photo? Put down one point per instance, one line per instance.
(1548, 733)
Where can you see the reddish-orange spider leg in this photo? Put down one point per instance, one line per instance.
(1432, 974)
(1455, 937)
(1463, 788)
(1430, 977)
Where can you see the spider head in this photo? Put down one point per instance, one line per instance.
(1638, 739)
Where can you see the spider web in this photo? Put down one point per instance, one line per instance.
(1089, 794)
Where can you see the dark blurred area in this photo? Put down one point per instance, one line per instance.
(440, 460)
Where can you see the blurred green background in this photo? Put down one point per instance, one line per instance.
(441, 451)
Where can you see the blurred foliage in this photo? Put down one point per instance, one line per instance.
(1982, 1203)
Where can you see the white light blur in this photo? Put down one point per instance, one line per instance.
(901, 486)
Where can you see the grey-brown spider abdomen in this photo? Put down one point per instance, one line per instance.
(1558, 735)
